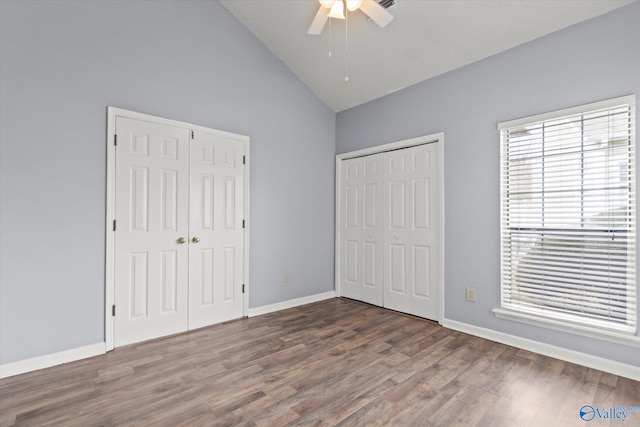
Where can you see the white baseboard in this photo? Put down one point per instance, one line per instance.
(572, 356)
(49, 360)
(290, 303)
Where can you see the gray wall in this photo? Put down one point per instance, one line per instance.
(62, 63)
(591, 61)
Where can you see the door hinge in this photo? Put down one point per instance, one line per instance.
(243, 223)
(113, 310)
(192, 135)
(115, 140)
(243, 288)
(244, 160)
(114, 225)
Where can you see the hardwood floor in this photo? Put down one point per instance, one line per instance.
(335, 362)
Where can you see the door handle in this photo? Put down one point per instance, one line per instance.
(181, 240)
(195, 239)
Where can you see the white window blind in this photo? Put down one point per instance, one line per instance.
(568, 237)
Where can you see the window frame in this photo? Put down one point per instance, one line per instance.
(547, 318)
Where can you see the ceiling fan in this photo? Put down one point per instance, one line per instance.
(336, 9)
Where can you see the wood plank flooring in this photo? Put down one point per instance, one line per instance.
(332, 363)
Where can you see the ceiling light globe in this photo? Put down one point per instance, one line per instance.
(327, 3)
(353, 5)
(337, 10)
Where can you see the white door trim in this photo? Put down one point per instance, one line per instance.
(427, 139)
(112, 113)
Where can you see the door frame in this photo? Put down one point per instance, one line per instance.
(436, 138)
(112, 113)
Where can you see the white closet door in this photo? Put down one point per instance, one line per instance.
(179, 238)
(216, 230)
(411, 231)
(152, 186)
(361, 229)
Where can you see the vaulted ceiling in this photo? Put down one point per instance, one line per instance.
(426, 38)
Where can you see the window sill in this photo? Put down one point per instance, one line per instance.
(558, 325)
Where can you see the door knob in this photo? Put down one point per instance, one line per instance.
(195, 239)
(181, 240)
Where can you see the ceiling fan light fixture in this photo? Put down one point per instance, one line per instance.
(327, 3)
(337, 10)
(353, 5)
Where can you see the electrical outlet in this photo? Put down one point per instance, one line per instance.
(287, 277)
(471, 294)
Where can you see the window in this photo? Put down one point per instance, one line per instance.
(568, 217)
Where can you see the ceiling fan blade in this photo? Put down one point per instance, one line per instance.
(377, 13)
(319, 21)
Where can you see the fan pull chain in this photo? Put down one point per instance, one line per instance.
(346, 46)
(330, 38)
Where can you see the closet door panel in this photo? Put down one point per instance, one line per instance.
(411, 243)
(371, 235)
(151, 211)
(216, 232)
(361, 237)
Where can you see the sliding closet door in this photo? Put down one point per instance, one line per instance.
(389, 232)
(361, 229)
(411, 234)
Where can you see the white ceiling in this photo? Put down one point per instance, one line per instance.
(425, 39)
